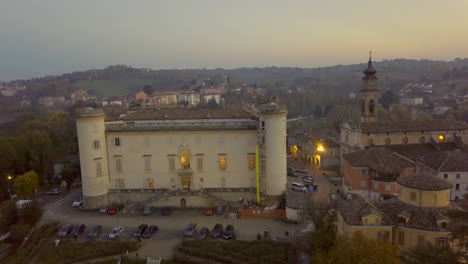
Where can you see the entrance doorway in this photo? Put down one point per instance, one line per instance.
(183, 203)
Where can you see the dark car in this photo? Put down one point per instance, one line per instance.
(204, 232)
(217, 231)
(65, 230)
(78, 230)
(140, 229)
(190, 230)
(292, 174)
(95, 231)
(166, 211)
(150, 231)
(229, 232)
(220, 210)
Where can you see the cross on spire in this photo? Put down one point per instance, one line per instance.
(370, 54)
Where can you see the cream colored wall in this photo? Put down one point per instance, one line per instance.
(413, 137)
(90, 129)
(369, 231)
(424, 198)
(411, 236)
(235, 144)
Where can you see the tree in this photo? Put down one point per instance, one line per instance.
(19, 232)
(399, 112)
(148, 89)
(25, 185)
(358, 250)
(8, 211)
(431, 254)
(388, 98)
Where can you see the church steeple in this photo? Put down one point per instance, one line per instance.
(369, 93)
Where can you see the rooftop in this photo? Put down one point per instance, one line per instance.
(423, 181)
(415, 151)
(379, 159)
(412, 126)
(449, 161)
(354, 209)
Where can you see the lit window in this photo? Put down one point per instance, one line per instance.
(117, 142)
(96, 144)
(441, 138)
(251, 159)
(149, 182)
(222, 162)
(120, 183)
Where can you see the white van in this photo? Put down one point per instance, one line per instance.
(298, 187)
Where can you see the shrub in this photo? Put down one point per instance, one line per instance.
(19, 232)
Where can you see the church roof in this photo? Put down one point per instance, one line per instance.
(379, 159)
(423, 181)
(412, 126)
(416, 151)
(449, 161)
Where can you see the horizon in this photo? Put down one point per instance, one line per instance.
(53, 38)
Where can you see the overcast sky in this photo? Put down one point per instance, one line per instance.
(39, 37)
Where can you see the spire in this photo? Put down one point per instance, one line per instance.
(370, 71)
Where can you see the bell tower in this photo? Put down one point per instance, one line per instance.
(369, 93)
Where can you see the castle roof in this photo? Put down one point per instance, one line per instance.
(423, 181)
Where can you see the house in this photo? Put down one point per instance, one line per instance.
(114, 100)
(141, 95)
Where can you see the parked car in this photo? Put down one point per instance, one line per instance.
(229, 232)
(78, 230)
(113, 210)
(103, 209)
(190, 230)
(291, 169)
(217, 231)
(147, 210)
(140, 229)
(302, 170)
(54, 191)
(116, 232)
(166, 211)
(78, 203)
(292, 174)
(220, 209)
(204, 232)
(95, 231)
(209, 211)
(298, 187)
(289, 156)
(65, 231)
(308, 179)
(149, 231)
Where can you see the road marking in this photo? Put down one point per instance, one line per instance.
(57, 203)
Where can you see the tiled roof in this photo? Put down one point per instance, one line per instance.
(379, 159)
(187, 113)
(423, 181)
(355, 208)
(412, 125)
(415, 151)
(450, 161)
(417, 217)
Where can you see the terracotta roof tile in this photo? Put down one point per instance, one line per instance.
(423, 181)
(355, 208)
(449, 161)
(379, 159)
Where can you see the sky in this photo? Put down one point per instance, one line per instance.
(51, 37)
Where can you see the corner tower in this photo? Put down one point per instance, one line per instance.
(93, 156)
(369, 94)
(273, 123)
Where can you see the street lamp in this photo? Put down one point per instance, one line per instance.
(9, 185)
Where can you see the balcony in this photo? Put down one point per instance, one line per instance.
(185, 172)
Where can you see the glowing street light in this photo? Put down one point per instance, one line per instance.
(9, 185)
(320, 148)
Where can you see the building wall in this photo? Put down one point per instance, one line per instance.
(161, 146)
(412, 137)
(369, 231)
(354, 178)
(423, 198)
(406, 237)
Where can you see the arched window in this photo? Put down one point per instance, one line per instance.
(422, 139)
(387, 141)
(371, 106)
(370, 142)
(404, 140)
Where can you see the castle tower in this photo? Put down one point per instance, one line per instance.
(93, 156)
(273, 123)
(369, 94)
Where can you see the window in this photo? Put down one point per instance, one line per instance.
(199, 161)
(98, 164)
(443, 225)
(117, 142)
(94, 128)
(222, 162)
(365, 220)
(388, 141)
(388, 187)
(149, 183)
(96, 144)
(440, 241)
(457, 176)
(118, 164)
(376, 185)
(120, 183)
(251, 161)
(445, 176)
(371, 106)
(147, 163)
(421, 240)
(413, 196)
(404, 140)
(363, 183)
(401, 238)
(457, 186)
(171, 162)
(364, 172)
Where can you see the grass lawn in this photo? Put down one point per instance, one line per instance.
(103, 88)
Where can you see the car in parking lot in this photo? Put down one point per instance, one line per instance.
(78, 230)
(308, 179)
(291, 169)
(220, 209)
(209, 211)
(103, 209)
(65, 231)
(292, 174)
(113, 209)
(302, 170)
(229, 232)
(54, 191)
(217, 231)
(140, 229)
(78, 203)
(190, 230)
(116, 232)
(150, 231)
(95, 231)
(298, 187)
(148, 209)
(204, 232)
(166, 211)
